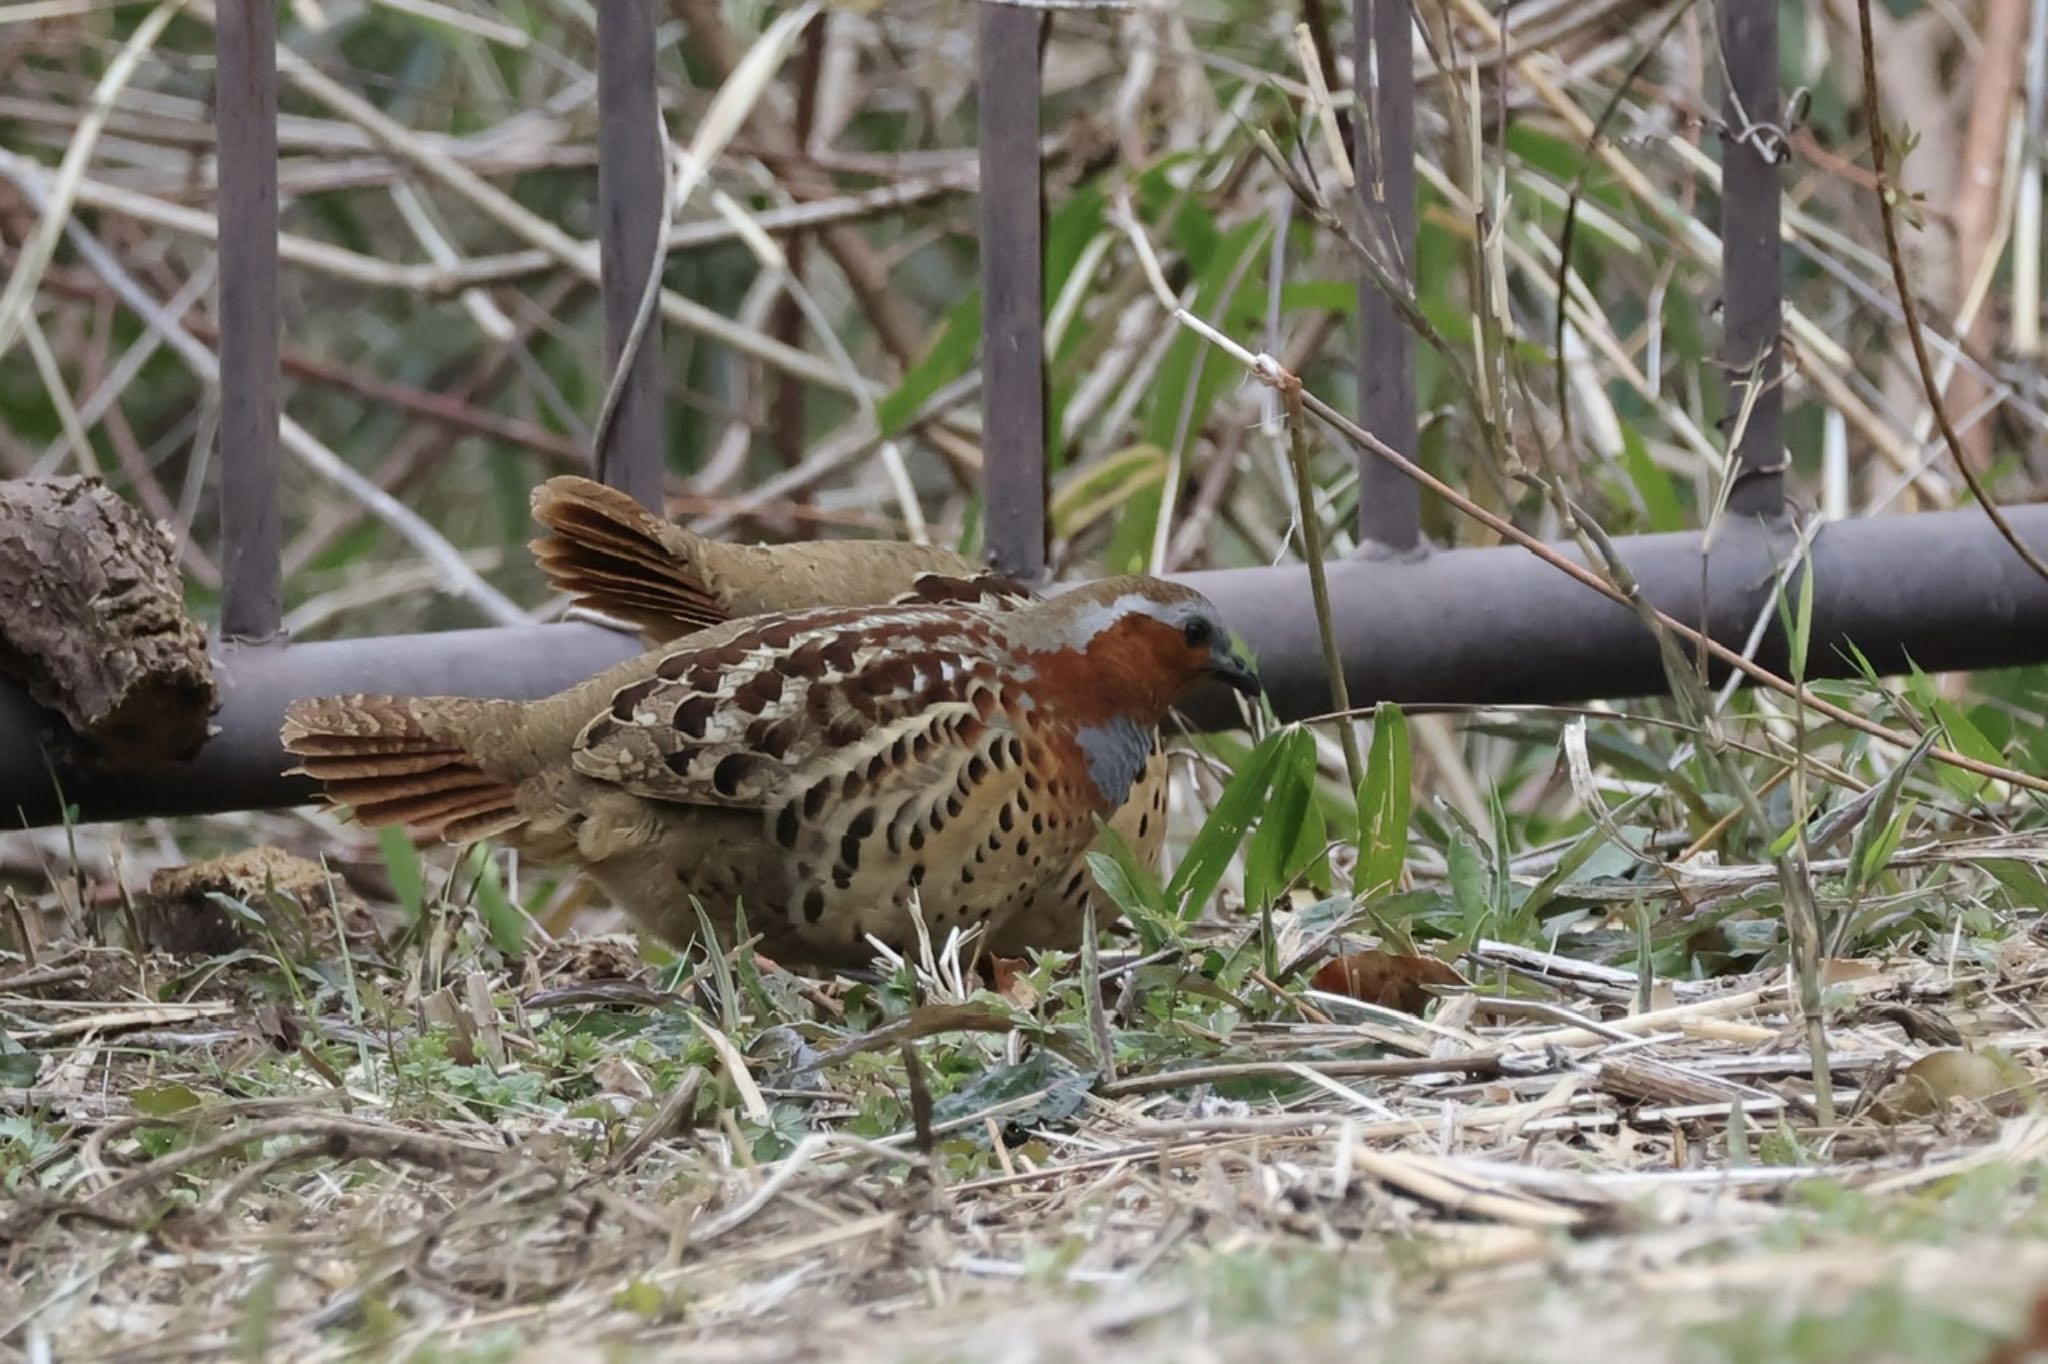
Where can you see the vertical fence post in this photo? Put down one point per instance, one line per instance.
(245, 119)
(1389, 504)
(631, 217)
(1012, 292)
(1752, 143)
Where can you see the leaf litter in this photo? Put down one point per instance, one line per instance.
(427, 1149)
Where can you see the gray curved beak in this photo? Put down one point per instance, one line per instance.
(1227, 667)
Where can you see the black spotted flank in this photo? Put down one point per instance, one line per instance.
(758, 695)
(773, 739)
(814, 903)
(838, 656)
(694, 714)
(732, 769)
(787, 826)
(626, 699)
(856, 833)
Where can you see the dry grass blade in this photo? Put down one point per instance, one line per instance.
(18, 295)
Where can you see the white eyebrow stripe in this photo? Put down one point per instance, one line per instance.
(1092, 620)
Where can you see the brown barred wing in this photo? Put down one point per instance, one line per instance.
(784, 711)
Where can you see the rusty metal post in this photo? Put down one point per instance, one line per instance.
(245, 120)
(1012, 293)
(1389, 505)
(1752, 263)
(631, 193)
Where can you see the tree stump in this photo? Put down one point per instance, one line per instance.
(180, 914)
(93, 623)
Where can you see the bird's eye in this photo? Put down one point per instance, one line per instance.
(1197, 632)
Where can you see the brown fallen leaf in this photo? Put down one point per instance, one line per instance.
(1388, 979)
(1007, 974)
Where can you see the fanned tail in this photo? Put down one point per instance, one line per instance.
(615, 556)
(400, 760)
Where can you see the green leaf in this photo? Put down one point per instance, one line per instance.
(1133, 887)
(1965, 736)
(1876, 838)
(2022, 881)
(162, 1101)
(1067, 234)
(1230, 290)
(1594, 847)
(506, 925)
(1320, 295)
(18, 1065)
(402, 864)
(1800, 635)
(1470, 876)
(1881, 849)
(951, 356)
(1194, 880)
(1385, 800)
(1118, 884)
(1660, 499)
(1063, 1084)
(1269, 860)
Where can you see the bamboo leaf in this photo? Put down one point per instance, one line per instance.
(951, 356)
(1385, 801)
(1269, 860)
(1195, 879)
(1867, 857)
(402, 864)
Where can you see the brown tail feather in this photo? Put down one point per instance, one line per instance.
(613, 555)
(400, 760)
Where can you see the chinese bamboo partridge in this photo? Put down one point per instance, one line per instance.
(615, 556)
(816, 770)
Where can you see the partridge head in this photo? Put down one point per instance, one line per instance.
(825, 774)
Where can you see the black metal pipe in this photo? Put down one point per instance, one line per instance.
(1752, 255)
(1012, 293)
(1498, 626)
(1474, 625)
(242, 766)
(631, 216)
(1383, 154)
(245, 119)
